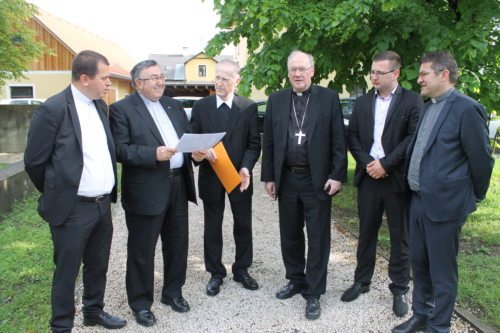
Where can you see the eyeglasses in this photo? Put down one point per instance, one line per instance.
(301, 70)
(379, 73)
(154, 78)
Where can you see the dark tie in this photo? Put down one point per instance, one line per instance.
(224, 114)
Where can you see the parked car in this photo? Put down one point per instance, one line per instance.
(22, 101)
(346, 103)
(187, 103)
(261, 112)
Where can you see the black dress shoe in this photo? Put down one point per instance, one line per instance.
(145, 317)
(213, 286)
(354, 291)
(289, 290)
(178, 304)
(400, 305)
(246, 280)
(313, 308)
(104, 319)
(412, 325)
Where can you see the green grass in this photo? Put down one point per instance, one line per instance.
(3, 165)
(25, 270)
(478, 260)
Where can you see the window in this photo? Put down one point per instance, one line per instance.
(21, 91)
(202, 70)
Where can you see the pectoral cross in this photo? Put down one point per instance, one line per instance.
(300, 135)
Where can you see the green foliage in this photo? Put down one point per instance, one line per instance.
(25, 270)
(343, 35)
(17, 42)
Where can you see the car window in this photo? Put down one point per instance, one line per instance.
(347, 105)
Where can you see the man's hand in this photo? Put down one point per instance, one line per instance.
(198, 156)
(211, 156)
(164, 153)
(245, 179)
(376, 170)
(332, 187)
(270, 189)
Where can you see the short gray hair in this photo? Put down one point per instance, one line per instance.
(138, 68)
(295, 52)
(232, 63)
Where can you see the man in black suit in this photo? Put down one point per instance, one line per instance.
(381, 126)
(157, 183)
(237, 116)
(449, 171)
(70, 157)
(304, 163)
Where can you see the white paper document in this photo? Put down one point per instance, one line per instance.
(190, 142)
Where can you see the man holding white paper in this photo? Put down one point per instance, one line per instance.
(237, 116)
(157, 182)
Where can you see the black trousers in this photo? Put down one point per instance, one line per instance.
(242, 233)
(298, 206)
(143, 233)
(84, 236)
(375, 197)
(434, 248)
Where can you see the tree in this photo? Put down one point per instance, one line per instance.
(343, 35)
(17, 42)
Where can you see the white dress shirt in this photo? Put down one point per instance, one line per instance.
(97, 175)
(166, 129)
(381, 108)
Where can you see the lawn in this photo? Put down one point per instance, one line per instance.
(25, 270)
(479, 257)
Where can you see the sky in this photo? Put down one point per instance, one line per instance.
(142, 27)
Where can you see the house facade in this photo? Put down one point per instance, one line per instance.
(51, 73)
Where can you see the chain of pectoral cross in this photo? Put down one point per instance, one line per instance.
(300, 134)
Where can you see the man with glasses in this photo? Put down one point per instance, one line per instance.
(304, 163)
(237, 116)
(449, 171)
(381, 126)
(157, 183)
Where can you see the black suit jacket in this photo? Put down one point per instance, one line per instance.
(53, 158)
(326, 142)
(144, 179)
(242, 142)
(456, 166)
(401, 122)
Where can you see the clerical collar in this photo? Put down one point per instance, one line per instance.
(305, 93)
(443, 96)
(228, 101)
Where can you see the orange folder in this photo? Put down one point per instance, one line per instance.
(224, 168)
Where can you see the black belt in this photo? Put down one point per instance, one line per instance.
(97, 199)
(298, 169)
(175, 172)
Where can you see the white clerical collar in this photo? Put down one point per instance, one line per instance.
(78, 96)
(147, 101)
(228, 101)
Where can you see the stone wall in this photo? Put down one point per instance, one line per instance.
(14, 125)
(15, 185)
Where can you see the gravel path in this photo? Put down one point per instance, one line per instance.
(236, 309)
